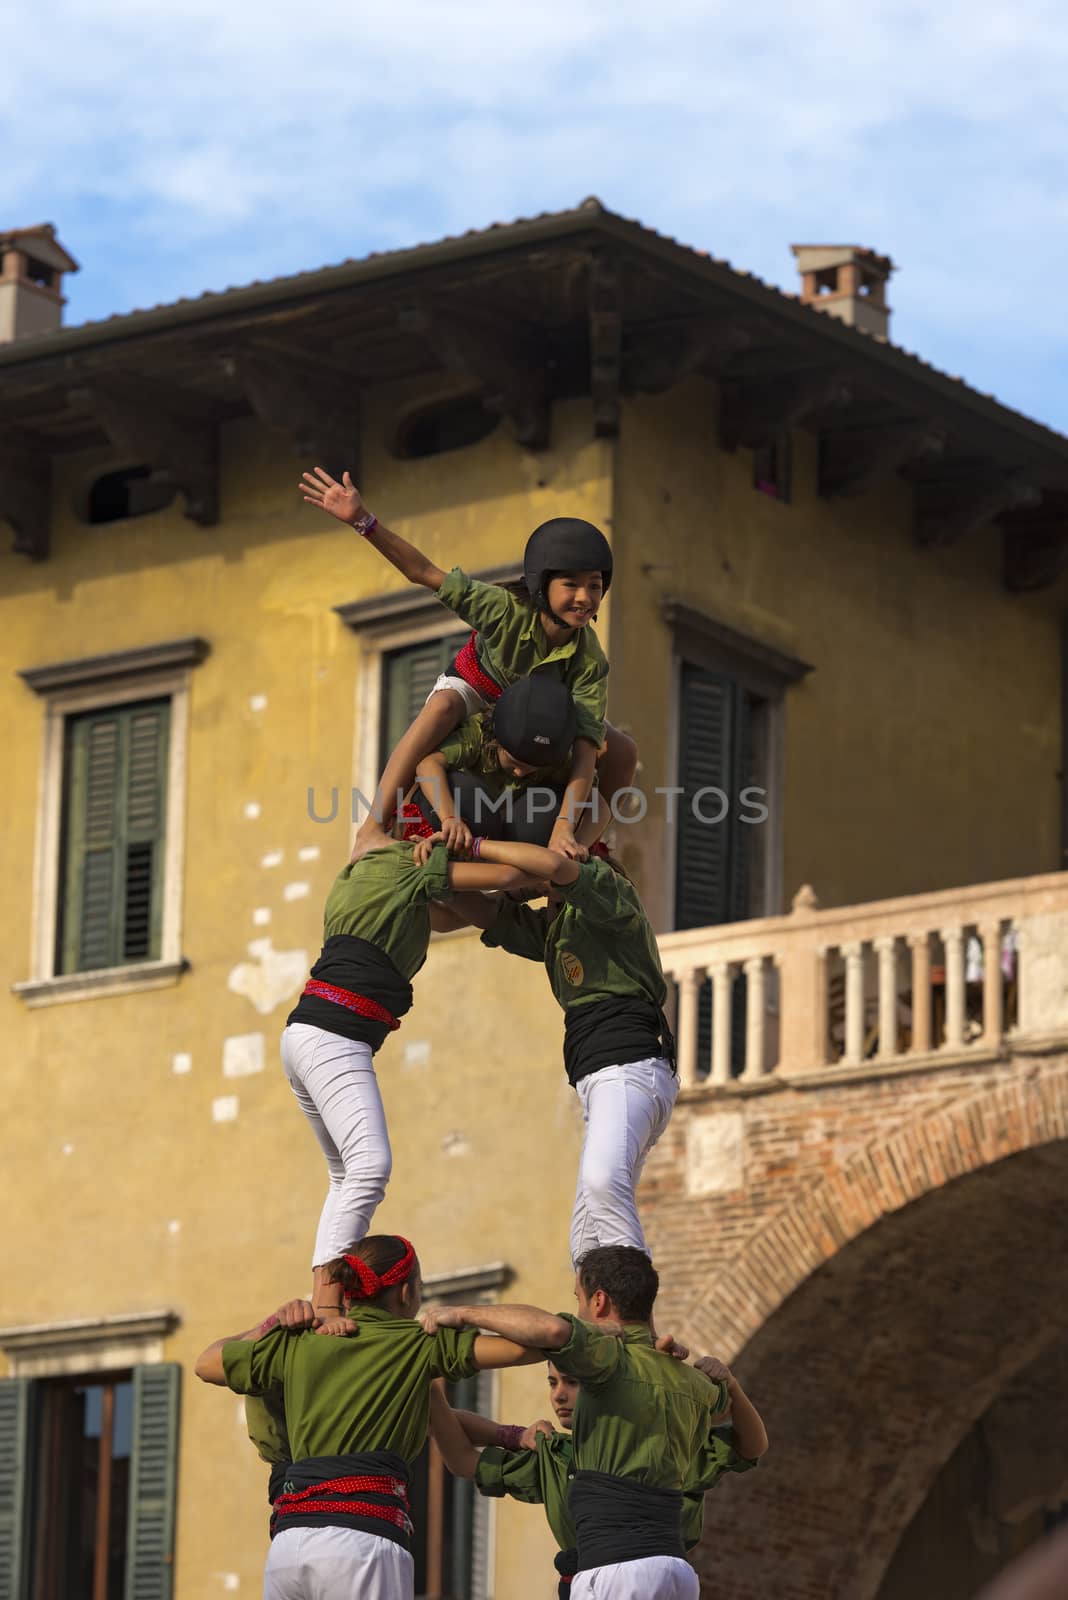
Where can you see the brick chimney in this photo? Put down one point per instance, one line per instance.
(32, 264)
(848, 282)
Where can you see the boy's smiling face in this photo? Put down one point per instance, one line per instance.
(575, 597)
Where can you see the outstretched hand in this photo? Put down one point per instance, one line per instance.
(340, 500)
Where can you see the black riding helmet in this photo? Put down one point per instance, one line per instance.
(534, 720)
(564, 544)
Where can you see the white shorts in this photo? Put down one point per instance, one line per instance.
(336, 1564)
(473, 701)
(654, 1578)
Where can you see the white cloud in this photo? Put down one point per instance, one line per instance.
(215, 144)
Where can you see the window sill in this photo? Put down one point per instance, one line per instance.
(104, 982)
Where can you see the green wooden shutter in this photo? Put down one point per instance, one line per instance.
(153, 1484)
(708, 709)
(114, 833)
(407, 678)
(16, 1397)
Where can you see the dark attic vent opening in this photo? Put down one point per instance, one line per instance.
(450, 425)
(116, 496)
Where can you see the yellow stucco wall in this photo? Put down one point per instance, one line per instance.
(920, 753)
(924, 750)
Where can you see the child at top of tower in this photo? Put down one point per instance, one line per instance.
(567, 569)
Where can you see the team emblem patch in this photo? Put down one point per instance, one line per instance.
(572, 969)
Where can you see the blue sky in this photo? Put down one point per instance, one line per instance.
(192, 145)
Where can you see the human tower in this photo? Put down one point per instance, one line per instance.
(496, 796)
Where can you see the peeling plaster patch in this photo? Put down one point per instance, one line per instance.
(417, 1053)
(67, 1149)
(714, 1153)
(252, 810)
(455, 1144)
(271, 977)
(182, 1062)
(296, 891)
(242, 1055)
(174, 1226)
(257, 702)
(272, 859)
(225, 1108)
(261, 916)
(231, 1580)
(310, 852)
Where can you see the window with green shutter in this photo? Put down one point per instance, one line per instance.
(87, 1486)
(408, 676)
(114, 824)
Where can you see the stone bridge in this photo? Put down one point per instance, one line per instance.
(868, 1222)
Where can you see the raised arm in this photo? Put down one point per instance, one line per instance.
(747, 1425)
(342, 500)
(294, 1314)
(520, 1325)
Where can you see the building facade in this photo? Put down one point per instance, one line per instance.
(836, 631)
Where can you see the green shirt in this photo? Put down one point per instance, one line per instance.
(542, 1476)
(538, 1477)
(265, 1418)
(470, 749)
(370, 1391)
(640, 1414)
(385, 898)
(597, 945)
(512, 643)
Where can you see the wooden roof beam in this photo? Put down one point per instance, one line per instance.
(508, 362)
(606, 342)
(26, 496)
(172, 431)
(657, 358)
(751, 414)
(318, 409)
(852, 459)
(948, 510)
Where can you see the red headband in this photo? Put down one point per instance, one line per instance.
(368, 1283)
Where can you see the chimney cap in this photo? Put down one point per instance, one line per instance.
(40, 241)
(836, 255)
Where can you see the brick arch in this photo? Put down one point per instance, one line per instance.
(1002, 1118)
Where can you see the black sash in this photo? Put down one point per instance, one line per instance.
(382, 1510)
(361, 968)
(566, 1564)
(612, 1032)
(617, 1519)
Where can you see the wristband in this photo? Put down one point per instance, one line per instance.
(476, 847)
(509, 1436)
(365, 523)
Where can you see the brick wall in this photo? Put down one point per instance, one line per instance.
(892, 1256)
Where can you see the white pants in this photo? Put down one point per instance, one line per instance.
(335, 1085)
(473, 701)
(337, 1564)
(654, 1578)
(625, 1110)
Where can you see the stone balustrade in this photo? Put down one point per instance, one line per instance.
(924, 978)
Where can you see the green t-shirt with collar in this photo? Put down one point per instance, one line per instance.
(385, 898)
(343, 1396)
(512, 644)
(470, 749)
(597, 945)
(640, 1414)
(542, 1476)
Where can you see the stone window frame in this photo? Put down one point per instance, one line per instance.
(763, 670)
(87, 1345)
(96, 683)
